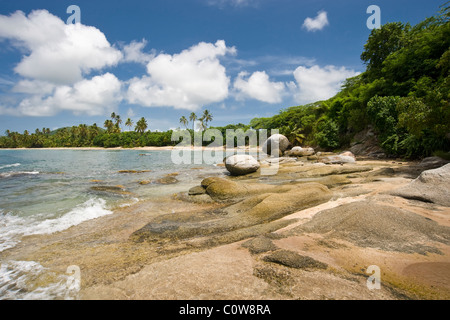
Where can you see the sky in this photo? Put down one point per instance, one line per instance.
(164, 59)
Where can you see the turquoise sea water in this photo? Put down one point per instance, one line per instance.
(46, 191)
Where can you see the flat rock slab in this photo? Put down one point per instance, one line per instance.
(369, 224)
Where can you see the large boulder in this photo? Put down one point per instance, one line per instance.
(432, 163)
(274, 142)
(241, 164)
(430, 186)
(344, 157)
(300, 152)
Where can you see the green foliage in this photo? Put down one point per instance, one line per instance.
(327, 135)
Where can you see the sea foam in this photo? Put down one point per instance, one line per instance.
(9, 165)
(13, 227)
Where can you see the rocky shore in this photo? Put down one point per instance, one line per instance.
(311, 231)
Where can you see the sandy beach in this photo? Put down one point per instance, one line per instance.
(262, 237)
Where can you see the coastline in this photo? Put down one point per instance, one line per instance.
(217, 262)
(140, 148)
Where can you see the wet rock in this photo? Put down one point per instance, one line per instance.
(144, 182)
(299, 152)
(430, 186)
(276, 141)
(167, 180)
(197, 190)
(111, 190)
(294, 260)
(241, 164)
(133, 171)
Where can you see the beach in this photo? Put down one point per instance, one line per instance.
(311, 231)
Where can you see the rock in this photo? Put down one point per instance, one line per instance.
(144, 182)
(370, 224)
(198, 190)
(224, 189)
(241, 164)
(294, 260)
(344, 157)
(259, 245)
(112, 190)
(278, 160)
(167, 180)
(255, 215)
(276, 141)
(299, 152)
(430, 186)
(433, 162)
(133, 171)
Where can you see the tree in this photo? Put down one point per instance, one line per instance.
(141, 125)
(129, 123)
(193, 118)
(381, 43)
(118, 123)
(184, 121)
(109, 125)
(207, 117)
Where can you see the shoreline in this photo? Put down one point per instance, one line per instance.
(216, 263)
(140, 148)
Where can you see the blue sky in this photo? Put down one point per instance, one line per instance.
(239, 59)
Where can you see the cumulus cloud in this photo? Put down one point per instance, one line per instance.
(56, 52)
(187, 80)
(57, 58)
(316, 83)
(96, 96)
(259, 87)
(133, 52)
(317, 23)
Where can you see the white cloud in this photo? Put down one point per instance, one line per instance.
(187, 80)
(317, 23)
(259, 87)
(56, 59)
(234, 3)
(56, 52)
(316, 83)
(133, 52)
(96, 96)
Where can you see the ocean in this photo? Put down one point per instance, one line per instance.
(46, 191)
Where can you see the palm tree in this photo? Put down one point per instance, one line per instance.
(113, 116)
(118, 123)
(193, 118)
(207, 117)
(109, 125)
(184, 121)
(202, 124)
(129, 123)
(141, 125)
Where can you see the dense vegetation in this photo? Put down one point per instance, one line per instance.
(403, 95)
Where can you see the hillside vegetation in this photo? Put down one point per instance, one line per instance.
(403, 94)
